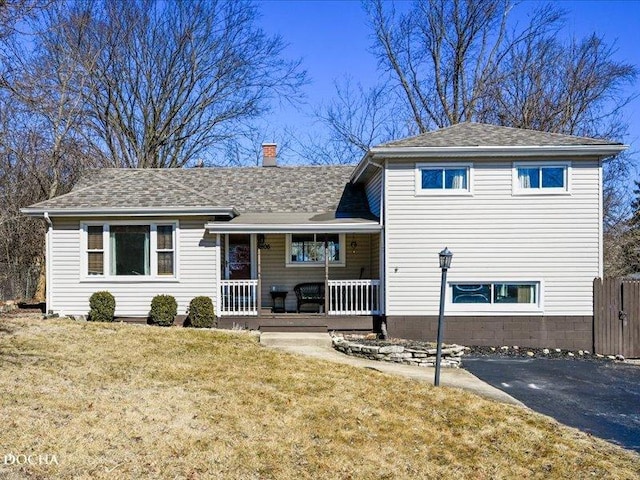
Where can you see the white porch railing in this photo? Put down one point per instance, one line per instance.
(354, 297)
(238, 297)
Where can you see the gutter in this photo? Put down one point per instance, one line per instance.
(214, 227)
(230, 212)
(497, 151)
(361, 167)
(376, 155)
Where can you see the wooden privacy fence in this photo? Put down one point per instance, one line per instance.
(616, 317)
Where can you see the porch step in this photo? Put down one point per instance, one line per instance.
(294, 328)
(292, 323)
(295, 339)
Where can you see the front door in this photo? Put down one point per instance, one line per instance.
(239, 257)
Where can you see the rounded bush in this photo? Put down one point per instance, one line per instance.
(163, 310)
(201, 314)
(102, 306)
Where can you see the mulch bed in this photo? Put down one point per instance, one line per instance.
(482, 351)
(525, 352)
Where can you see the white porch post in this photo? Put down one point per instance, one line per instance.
(259, 292)
(326, 275)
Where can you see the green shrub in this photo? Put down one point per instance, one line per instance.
(102, 306)
(163, 310)
(201, 314)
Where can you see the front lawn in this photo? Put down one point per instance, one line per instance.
(127, 401)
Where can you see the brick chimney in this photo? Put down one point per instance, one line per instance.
(269, 151)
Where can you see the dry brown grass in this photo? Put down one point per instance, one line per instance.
(122, 401)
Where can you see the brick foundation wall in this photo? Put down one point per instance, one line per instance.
(566, 332)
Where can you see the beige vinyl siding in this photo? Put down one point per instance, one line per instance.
(494, 236)
(274, 271)
(196, 268)
(373, 190)
(375, 255)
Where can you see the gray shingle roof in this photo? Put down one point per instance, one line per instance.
(323, 189)
(485, 135)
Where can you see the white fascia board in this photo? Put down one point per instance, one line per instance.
(601, 151)
(367, 160)
(129, 211)
(294, 228)
(378, 154)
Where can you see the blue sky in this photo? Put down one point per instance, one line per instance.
(332, 38)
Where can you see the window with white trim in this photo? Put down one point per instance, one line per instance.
(95, 250)
(165, 249)
(443, 179)
(130, 250)
(308, 249)
(495, 293)
(541, 178)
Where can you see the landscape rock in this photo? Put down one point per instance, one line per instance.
(423, 357)
(392, 349)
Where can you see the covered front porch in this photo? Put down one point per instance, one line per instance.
(297, 276)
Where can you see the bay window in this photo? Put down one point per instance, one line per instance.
(118, 250)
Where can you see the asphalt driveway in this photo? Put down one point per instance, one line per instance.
(598, 397)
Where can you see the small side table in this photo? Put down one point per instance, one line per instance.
(279, 298)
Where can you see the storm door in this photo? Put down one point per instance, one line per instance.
(239, 253)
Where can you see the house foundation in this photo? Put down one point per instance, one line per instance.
(566, 332)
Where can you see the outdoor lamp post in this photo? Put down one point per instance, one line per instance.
(445, 263)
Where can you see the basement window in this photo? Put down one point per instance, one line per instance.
(495, 296)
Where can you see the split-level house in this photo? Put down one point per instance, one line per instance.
(343, 247)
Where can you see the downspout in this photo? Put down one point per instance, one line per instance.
(47, 262)
(218, 293)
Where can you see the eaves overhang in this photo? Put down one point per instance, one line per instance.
(360, 227)
(376, 155)
(230, 212)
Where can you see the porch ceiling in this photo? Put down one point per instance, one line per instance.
(294, 223)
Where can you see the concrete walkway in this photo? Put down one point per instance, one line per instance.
(318, 345)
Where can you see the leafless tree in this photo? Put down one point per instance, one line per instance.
(451, 61)
(443, 53)
(170, 80)
(575, 88)
(356, 118)
(245, 149)
(138, 83)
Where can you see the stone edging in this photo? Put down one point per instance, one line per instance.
(451, 354)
